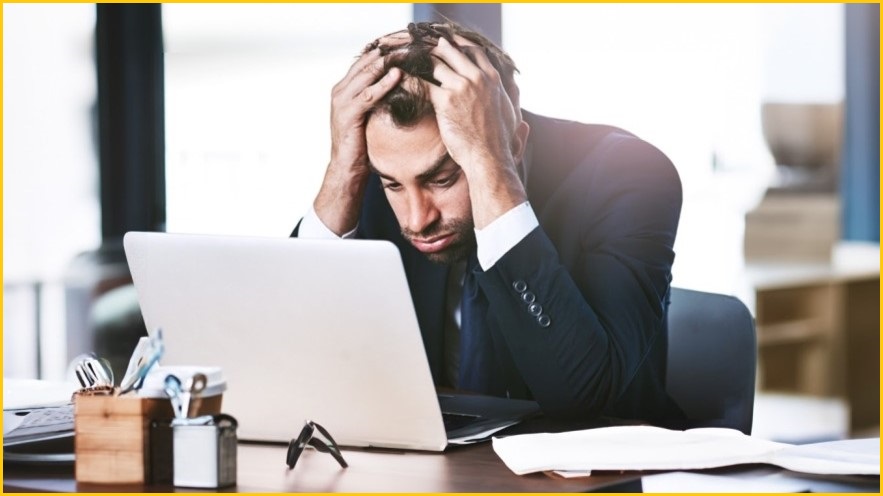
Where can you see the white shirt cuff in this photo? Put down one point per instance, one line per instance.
(501, 235)
(312, 227)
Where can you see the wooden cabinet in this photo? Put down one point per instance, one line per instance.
(818, 323)
(818, 328)
(799, 339)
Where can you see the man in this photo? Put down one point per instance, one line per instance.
(538, 251)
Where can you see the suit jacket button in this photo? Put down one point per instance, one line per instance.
(544, 320)
(535, 309)
(528, 297)
(520, 286)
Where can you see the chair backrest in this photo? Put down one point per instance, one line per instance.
(712, 358)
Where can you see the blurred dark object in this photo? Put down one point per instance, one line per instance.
(117, 325)
(799, 218)
(712, 357)
(805, 141)
(131, 119)
(102, 311)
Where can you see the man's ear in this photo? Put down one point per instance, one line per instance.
(519, 141)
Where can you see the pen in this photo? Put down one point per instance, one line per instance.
(144, 357)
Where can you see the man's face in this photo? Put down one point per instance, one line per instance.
(426, 189)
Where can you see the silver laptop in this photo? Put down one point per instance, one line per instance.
(321, 330)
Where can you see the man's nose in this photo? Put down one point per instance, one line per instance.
(422, 211)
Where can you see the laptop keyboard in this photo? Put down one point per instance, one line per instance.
(455, 421)
(44, 421)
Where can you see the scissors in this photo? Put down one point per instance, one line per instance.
(195, 385)
(173, 390)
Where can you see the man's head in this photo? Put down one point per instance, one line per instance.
(409, 50)
(427, 190)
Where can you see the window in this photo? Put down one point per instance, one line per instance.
(690, 79)
(50, 172)
(247, 107)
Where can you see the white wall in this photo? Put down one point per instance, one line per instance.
(689, 78)
(50, 168)
(248, 91)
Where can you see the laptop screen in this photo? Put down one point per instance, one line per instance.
(320, 330)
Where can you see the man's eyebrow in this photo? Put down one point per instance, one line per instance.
(429, 173)
(436, 167)
(382, 175)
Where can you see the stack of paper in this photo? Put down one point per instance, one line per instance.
(33, 393)
(653, 448)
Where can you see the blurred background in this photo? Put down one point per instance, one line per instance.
(204, 118)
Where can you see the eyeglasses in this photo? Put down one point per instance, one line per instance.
(306, 436)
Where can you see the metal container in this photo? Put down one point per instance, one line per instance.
(204, 451)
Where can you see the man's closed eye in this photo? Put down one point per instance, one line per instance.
(446, 181)
(394, 187)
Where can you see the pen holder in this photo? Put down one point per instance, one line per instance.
(204, 451)
(112, 436)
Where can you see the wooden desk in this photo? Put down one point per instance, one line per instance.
(262, 468)
(469, 469)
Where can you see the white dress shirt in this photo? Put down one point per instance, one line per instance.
(493, 242)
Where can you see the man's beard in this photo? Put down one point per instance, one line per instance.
(460, 248)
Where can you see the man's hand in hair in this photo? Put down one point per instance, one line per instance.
(340, 196)
(479, 127)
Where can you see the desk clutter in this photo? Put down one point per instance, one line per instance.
(644, 447)
(170, 431)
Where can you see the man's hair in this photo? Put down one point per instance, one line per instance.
(408, 103)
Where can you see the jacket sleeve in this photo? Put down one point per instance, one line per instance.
(581, 300)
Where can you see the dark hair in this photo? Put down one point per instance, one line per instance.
(408, 103)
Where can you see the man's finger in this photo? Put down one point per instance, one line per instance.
(395, 39)
(363, 61)
(367, 75)
(445, 75)
(377, 90)
(461, 41)
(435, 93)
(483, 61)
(456, 59)
(370, 62)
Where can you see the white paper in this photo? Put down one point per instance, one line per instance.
(33, 393)
(629, 448)
(849, 457)
(572, 474)
(655, 448)
(687, 482)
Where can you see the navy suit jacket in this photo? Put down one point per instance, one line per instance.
(599, 264)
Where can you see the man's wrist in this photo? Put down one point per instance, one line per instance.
(314, 228)
(501, 235)
(339, 199)
(493, 192)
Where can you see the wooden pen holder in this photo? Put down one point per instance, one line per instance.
(112, 435)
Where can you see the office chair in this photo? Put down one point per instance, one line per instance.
(712, 357)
